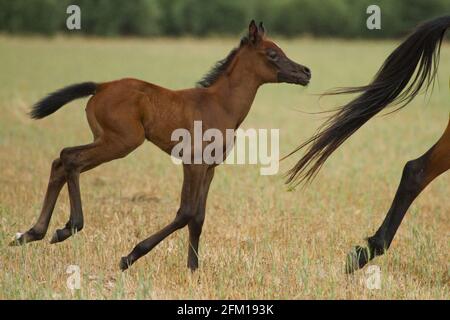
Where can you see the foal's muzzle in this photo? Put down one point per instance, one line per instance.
(294, 73)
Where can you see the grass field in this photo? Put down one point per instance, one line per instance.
(260, 240)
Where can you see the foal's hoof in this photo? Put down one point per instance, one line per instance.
(356, 259)
(19, 240)
(62, 234)
(56, 237)
(124, 263)
(22, 238)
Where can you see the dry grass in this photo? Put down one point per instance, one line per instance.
(259, 240)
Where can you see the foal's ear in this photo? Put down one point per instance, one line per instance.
(262, 30)
(254, 34)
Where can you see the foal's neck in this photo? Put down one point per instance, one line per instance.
(236, 90)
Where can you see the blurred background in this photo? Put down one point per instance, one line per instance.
(289, 18)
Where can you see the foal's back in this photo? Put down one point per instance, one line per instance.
(146, 109)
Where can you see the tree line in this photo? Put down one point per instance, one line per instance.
(289, 18)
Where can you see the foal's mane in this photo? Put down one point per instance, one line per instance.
(220, 67)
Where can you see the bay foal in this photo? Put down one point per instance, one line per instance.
(417, 59)
(123, 113)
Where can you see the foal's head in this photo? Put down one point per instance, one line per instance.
(269, 61)
(262, 57)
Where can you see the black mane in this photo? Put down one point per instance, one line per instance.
(219, 67)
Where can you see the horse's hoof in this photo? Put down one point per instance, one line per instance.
(19, 240)
(55, 238)
(124, 263)
(356, 259)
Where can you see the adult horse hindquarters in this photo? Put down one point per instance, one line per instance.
(122, 114)
(417, 59)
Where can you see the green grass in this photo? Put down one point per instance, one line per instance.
(259, 240)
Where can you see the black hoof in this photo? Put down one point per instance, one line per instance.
(55, 238)
(24, 238)
(357, 259)
(62, 234)
(125, 263)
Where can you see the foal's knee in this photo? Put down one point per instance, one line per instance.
(68, 160)
(184, 216)
(57, 173)
(196, 224)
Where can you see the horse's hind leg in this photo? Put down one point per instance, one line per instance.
(55, 184)
(417, 174)
(79, 159)
(72, 168)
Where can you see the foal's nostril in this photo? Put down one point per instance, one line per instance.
(307, 71)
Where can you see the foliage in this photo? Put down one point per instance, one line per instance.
(341, 18)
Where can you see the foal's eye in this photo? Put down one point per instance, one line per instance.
(272, 54)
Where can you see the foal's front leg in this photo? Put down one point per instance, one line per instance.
(196, 224)
(193, 177)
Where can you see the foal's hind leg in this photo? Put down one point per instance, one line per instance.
(193, 178)
(55, 184)
(79, 159)
(196, 224)
(417, 174)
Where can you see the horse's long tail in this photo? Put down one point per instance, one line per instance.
(391, 86)
(57, 99)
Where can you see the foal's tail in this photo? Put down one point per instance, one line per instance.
(57, 99)
(391, 86)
